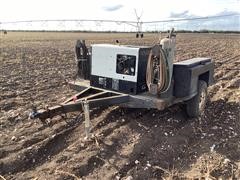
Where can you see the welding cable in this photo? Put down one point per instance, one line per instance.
(158, 70)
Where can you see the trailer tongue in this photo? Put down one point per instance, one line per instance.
(92, 97)
(89, 97)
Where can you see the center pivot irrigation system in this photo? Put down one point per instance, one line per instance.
(137, 24)
(134, 77)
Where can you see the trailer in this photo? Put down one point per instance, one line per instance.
(135, 77)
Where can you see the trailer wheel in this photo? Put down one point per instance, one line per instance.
(195, 106)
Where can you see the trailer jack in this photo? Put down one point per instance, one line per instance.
(86, 118)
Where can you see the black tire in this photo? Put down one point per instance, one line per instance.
(195, 106)
(137, 35)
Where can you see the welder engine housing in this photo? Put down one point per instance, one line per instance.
(119, 68)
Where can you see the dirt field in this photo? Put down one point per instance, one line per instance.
(128, 143)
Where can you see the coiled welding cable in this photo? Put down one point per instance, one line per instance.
(157, 74)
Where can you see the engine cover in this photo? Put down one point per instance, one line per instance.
(119, 68)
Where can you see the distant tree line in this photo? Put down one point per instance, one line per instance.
(199, 31)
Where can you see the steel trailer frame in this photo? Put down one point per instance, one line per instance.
(97, 97)
(91, 96)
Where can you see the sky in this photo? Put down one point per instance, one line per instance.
(17, 10)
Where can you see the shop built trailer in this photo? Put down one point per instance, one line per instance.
(135, 77)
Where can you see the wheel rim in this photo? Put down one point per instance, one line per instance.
(202, 101)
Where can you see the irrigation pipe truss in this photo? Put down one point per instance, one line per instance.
(120, 21)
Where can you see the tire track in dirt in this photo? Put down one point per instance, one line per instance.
(85, 169)
(46, 137)
(38, 153)
(106, 148)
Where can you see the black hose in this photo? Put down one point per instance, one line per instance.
(83, 60)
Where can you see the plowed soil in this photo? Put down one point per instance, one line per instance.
(126, 143)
